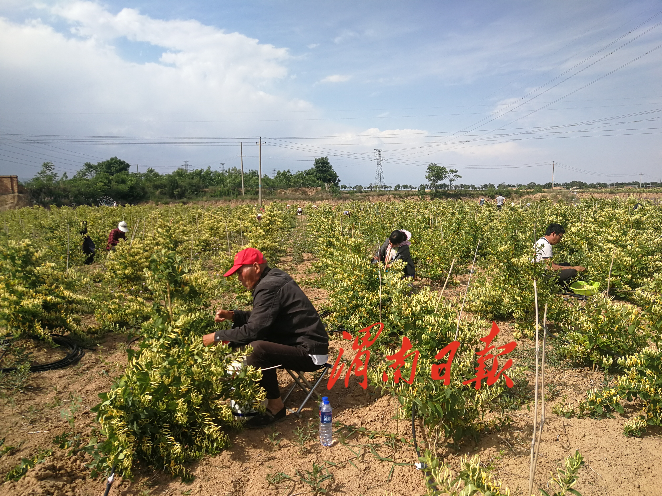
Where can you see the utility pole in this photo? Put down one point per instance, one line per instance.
(259, 184)
(241, 154)
(552, 174)
(136, 168)
(186, 165)
(640, 174)
(379, 174)
(222, 166)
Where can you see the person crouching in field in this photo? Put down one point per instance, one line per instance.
(116, 234)
(283, 329)
(396, 247)
(544, 251)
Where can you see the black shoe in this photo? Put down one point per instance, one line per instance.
(266, 418)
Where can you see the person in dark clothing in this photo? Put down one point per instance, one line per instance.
(116, 234)
(396, 247)
(284, 329)
(89, 248)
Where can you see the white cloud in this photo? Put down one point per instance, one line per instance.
(313, 45)
(336, 78)
(203, 74)
(344, 36)
(190, 44)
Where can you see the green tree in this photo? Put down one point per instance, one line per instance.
(452, 177)
(436, 174)
(284, 179)
(109, 167)
(324, 172)
(47, 173)
(43, 187)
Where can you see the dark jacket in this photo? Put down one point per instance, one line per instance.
(114, 238)
(403, 254)
(282, 314)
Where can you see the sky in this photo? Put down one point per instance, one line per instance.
(510, 91)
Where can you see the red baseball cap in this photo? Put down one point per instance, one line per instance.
(247, 256)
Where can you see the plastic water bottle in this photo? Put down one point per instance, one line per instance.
(326, 428)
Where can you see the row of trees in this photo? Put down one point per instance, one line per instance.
(112, 179)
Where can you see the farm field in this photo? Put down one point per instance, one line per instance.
(163, 420)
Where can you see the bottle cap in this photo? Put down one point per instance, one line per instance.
(325, 399)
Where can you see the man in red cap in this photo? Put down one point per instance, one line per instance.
(283, 328)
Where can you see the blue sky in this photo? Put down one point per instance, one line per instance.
(497, 90)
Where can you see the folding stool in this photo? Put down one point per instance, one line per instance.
(305, 385)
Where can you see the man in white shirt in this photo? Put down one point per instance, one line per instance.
(499, 201)
(544, 251)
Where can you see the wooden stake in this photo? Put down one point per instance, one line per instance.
(542, 387)
(380, 294)
(67, 244)
(446, 282)
(613, 254)
(135, 228)
(227, 235)
(459, 315)
(535, 408)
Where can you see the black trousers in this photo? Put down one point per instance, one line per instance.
(267, 354)
(566, 274)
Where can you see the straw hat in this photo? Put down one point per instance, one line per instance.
(123, 227)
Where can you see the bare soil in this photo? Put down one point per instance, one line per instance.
(282, 459)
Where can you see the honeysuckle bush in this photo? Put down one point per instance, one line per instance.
(121, 312)
(125, 265)
(130, 270)
(640, 381)
(452, 234)
(207, 238)
(613, 234)
(441, 232)
(649, 299)
(195, 231)
(599, 331)
(37, 298)
(473, 479)
(429, 322)
(454, 410)
(503, 285)
(171, 405)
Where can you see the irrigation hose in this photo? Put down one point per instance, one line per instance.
(419, 465)
(413, 428)
(73, 356)
(109, 481)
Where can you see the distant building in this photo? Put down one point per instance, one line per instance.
(10, 197)
(8, 185)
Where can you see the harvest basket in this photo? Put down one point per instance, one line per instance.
(584, 288)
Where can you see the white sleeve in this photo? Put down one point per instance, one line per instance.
(543, 250)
